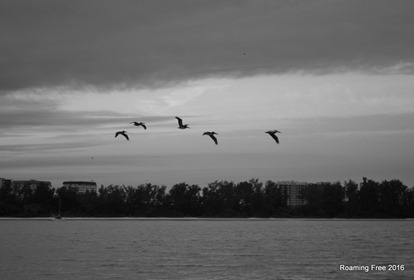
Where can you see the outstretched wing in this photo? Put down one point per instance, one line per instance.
(144, 126)
(274, 137)
(180, 121)
(214, 138)
(126, 136)
(117, 133)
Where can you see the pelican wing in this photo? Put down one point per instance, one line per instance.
(214, 138)
(274, 137)
(180, 121)
(273, 131)
(144, 126)
(122, 133)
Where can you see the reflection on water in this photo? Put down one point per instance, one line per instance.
(204, 249)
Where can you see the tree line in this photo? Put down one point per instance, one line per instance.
(253, 198)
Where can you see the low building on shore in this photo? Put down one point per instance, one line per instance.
(5, 183)
(32, 184)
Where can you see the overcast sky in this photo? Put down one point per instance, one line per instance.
(336, 77)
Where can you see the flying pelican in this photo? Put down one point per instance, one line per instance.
(180, 124)
(139, 124)
(211, 134)
(123, 133)
(273, 134)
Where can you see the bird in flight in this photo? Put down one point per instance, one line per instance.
(272, 133)
(139, 124)
(123, 133)
(211, 134)
(180, 124)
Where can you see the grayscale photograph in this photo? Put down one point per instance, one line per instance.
(206, 139)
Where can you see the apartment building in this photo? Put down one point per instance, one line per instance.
(293, 190)
(82, 186)
(32, 184)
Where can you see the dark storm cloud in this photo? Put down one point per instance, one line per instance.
(152, 42)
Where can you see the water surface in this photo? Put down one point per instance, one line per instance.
(205, 249)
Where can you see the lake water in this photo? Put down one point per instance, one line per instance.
(206, 249)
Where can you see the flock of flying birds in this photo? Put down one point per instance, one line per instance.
(212, 134)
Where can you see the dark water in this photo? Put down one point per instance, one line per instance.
(205, 249)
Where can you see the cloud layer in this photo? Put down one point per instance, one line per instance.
(334, 76)
(153, 42)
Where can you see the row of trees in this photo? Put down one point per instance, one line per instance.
(368, 199)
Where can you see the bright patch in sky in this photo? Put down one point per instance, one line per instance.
(326, 121)
(260, 97)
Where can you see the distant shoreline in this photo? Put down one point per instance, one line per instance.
(197, 219)
(220, 200)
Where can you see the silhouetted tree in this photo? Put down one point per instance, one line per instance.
(369, 198)
(9, 204)
(89, 202)
(145, 200)
(352, 206)
(408, 202)
(42, 199)
(333, 197)
(274, 200)
(249, 197)
(112, 201)
(219, 200)
(313, 194)
(391, 198)
(184, 200)
(70, 205)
